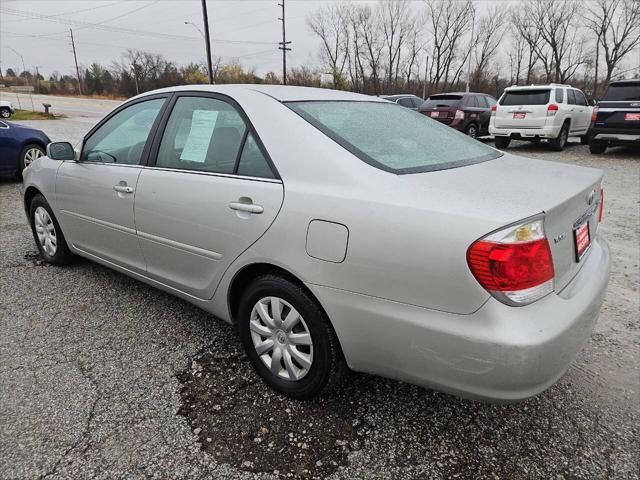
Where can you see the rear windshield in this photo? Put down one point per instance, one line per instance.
(623, 92)
(525, 97)
(393, 138)
(436, 101)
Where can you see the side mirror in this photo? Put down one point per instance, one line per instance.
(61, 151)
(594, 102)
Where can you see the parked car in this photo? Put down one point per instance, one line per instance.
(19, 147)
(6, 109)
(466, 112)
(616, 118)
(551, 112)
(367, 237)
(406, 100)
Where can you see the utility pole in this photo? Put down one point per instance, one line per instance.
(283, 46)
(75, 58)
(207, 40)
(426, 72)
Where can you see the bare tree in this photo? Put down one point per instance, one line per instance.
(524, 26)
(329, 24)
(397, 24)
(560, 50)
(616, 24)
(448, 21)
(490, 31)
(516, 55)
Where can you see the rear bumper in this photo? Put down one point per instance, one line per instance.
(619, 136)
(498, 353)
(525, 133)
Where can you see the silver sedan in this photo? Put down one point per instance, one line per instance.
(337, 231)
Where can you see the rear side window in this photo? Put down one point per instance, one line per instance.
(472, 102)
(209, 135)
(623, 92)
(559, 95)
(417, 102)
(526, 97)
(393, 138)
(439, 101)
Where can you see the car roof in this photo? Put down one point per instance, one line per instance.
(399, 95)
(535, 87)
(631, 81)
(281, 93)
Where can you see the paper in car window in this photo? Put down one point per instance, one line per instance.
(202, 124)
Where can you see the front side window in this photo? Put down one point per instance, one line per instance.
(210, 135)
(580, 98)
(122, 138)
(393, 138)
(406, 102)
(491, 101)
(525, 97)
(571, 97)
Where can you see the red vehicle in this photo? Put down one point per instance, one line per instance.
(467, 112)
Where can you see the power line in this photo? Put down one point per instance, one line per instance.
(113, 29)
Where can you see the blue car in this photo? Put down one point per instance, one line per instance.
(19, 146)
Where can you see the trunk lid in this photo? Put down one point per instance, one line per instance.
(511, 188)
(523, 108)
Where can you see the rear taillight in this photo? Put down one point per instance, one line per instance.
(594, 114)
(601, 211)
(552, 110)
(514, 264)
(493, 111)
(459, 115)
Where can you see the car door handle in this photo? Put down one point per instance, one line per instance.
(123, 189)
(246, 207)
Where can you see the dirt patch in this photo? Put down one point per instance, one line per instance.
(241, 421)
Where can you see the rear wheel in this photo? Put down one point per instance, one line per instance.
(561, 140)
(502, 142)
(584, 140)
(472, 131)
(597, 148)
(47, 233)
(288, 338)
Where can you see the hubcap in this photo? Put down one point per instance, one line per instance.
(5, 113)
(473, 133)
(46, 231)
(281, 338)
(31, 155)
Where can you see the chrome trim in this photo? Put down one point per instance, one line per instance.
(180, 246)
(86, 162)
(215, 174)
(607, 109)
(4, 126)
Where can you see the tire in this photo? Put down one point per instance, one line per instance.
(584, 140)
(502, 142)
(561, 140)
(597, 148)
(472, 131)
(28, 155)
(5, 112)
(290, 376)
(43, 222)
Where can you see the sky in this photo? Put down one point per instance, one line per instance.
(245, 29)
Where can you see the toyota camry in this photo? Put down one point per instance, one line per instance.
(337, 231)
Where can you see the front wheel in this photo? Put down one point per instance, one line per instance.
(288, 338)
(30, 154)
(502, 142)
(5, 112)
(47, 233)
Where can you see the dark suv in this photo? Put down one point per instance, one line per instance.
(616, 118)
(467, 112)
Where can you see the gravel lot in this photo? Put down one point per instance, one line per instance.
(104, 377)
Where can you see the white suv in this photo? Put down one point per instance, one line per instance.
(553, 112)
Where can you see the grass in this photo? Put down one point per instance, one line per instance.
(29, 115)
